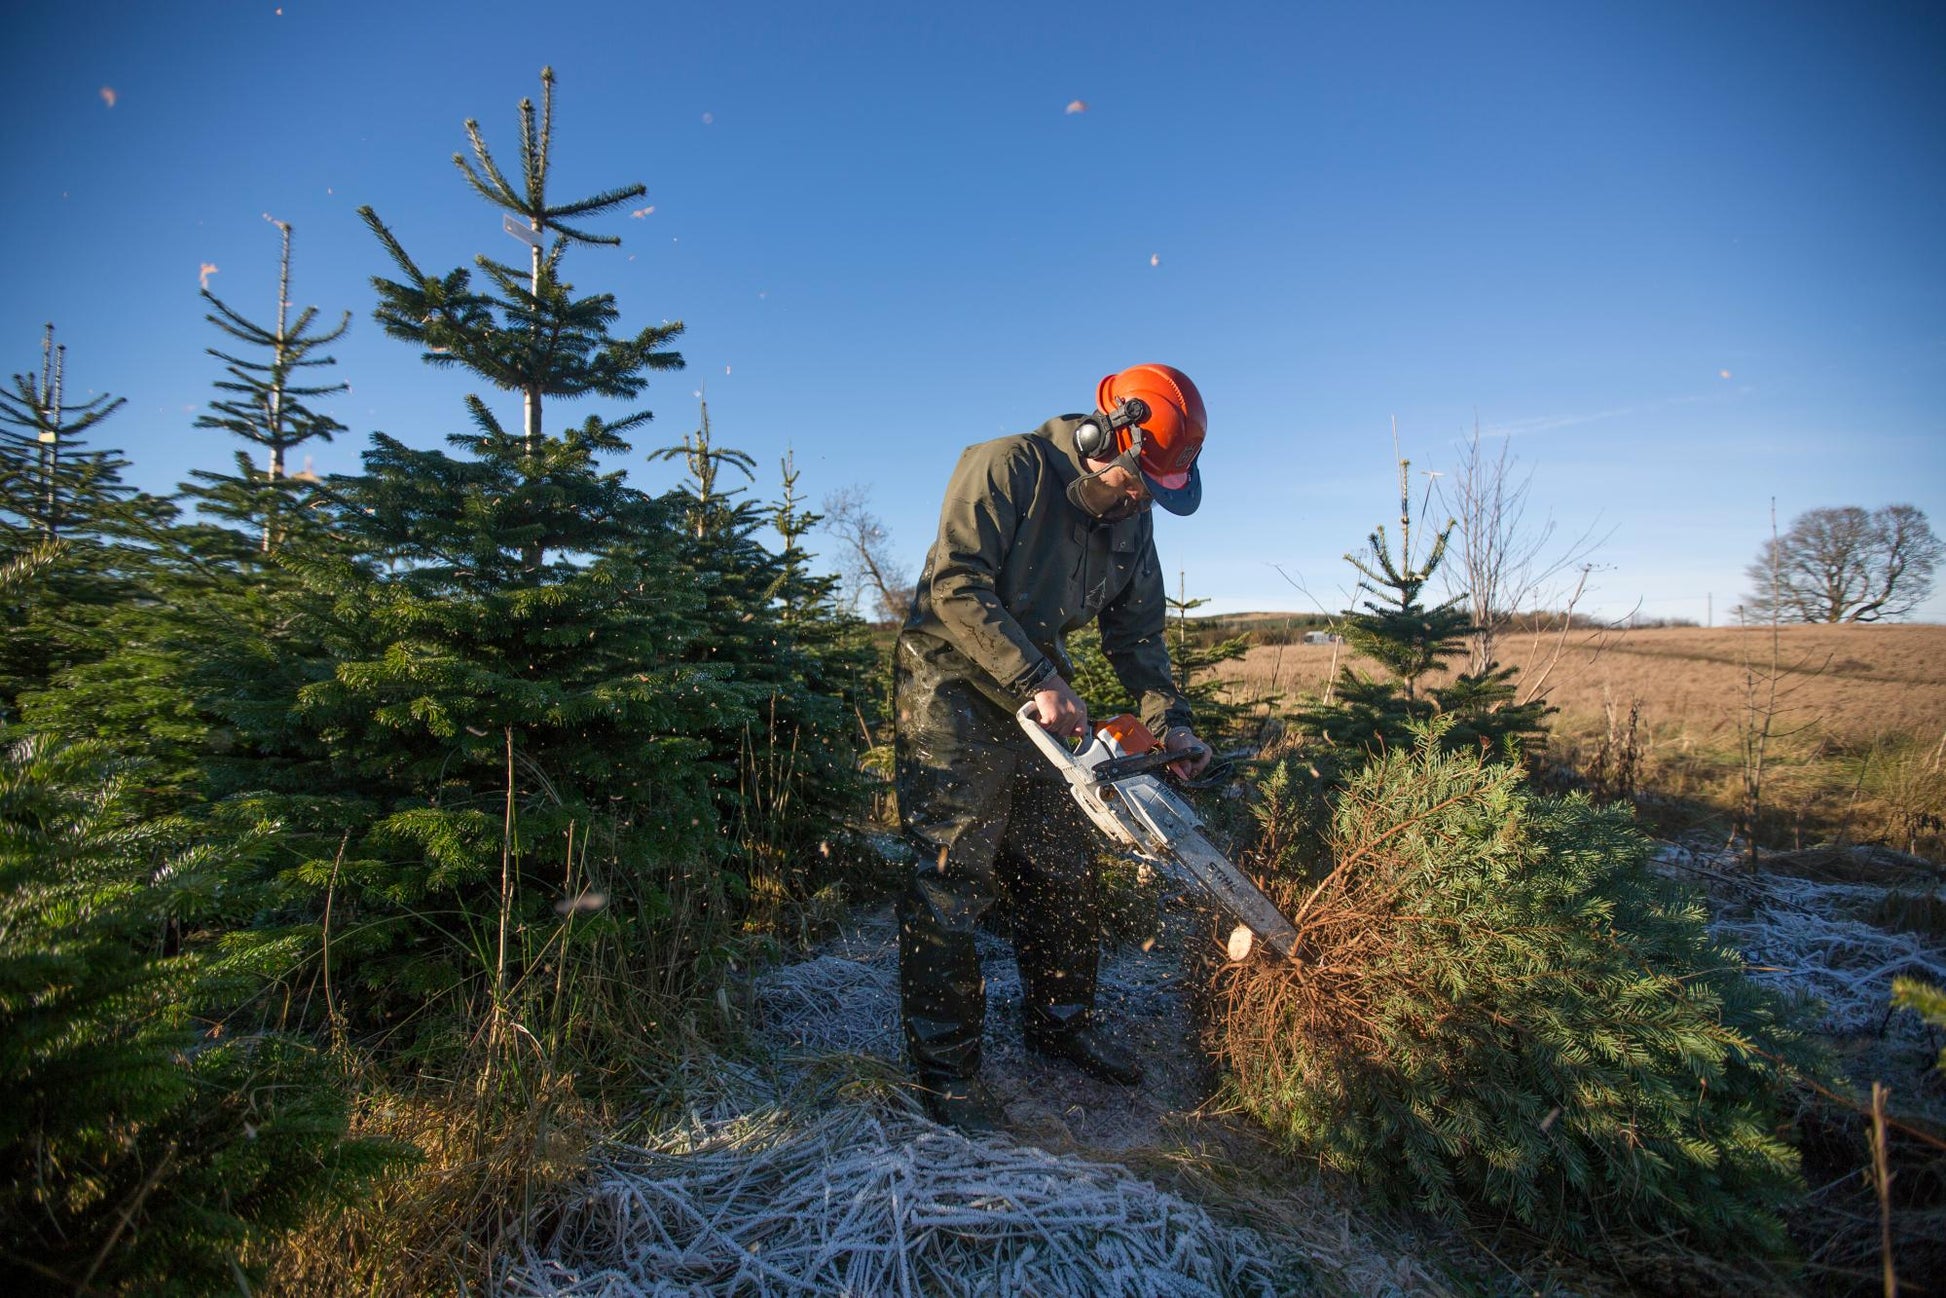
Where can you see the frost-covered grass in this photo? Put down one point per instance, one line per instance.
(804, 1166)
(808, 1168)
(1813, 939)
(873, 1199)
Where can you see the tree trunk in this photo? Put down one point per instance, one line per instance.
(532, 555)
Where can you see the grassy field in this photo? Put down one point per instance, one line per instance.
(1857, 719)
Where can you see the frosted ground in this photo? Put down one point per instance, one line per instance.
(810, 1171)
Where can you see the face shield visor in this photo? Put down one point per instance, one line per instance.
(1179, 493)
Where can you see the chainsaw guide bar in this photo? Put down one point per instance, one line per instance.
(1126, 802)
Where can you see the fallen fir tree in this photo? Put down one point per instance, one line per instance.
(1510, 1016)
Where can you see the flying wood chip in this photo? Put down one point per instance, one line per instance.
(208, 269)
(1077, 106)
(108, 95)
(641, 212)
(586, 903)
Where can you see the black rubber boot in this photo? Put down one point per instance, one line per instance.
(964, 1105)
(1087, 1047)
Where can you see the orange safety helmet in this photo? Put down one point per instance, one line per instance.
(1172, 435)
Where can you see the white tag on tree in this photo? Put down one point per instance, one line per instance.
(521, 232)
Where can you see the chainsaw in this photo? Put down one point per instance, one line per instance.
(1111, 774)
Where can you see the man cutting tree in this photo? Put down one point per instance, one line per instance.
(1041, 533)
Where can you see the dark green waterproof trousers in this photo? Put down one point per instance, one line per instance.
(992, 823)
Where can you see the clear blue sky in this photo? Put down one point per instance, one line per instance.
(1688, 257)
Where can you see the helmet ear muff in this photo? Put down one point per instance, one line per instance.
(1095, 439)
(1100, 437)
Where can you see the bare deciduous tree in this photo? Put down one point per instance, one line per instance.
(1506, 560)
(1845, 565)
(867, 562)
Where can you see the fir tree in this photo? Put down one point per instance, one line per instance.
(1509, 1014)
(718, 524)
(1093, 676)
(1405, 636)
(465, 718)
(1195, 663)
(788, 753)
(805, 600)
(1371, 715)
(50, 483)
(1191, 660)
(266, 407)
(141, 615)
(154, 1133)
(842, 663)
(122, 635)
(496, 675)
(73, 535)
(834, 642)
(529, 333)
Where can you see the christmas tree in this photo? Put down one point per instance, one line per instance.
(528, 333)
(485, 705)
(1508, 1015)
(51, 484)
(71, 531)
(786, 760)
(1366, 716)
(262, 404)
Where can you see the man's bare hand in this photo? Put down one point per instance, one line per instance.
(1061, 711)
(1196, 753)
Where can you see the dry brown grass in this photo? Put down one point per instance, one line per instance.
(489, 1174)
(1856, 681)
(1860, 715)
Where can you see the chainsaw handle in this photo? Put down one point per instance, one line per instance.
(1057, 752)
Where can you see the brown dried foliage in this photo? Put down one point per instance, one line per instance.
(1349, 920)
(491, 1170)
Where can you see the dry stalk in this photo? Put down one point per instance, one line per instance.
(127, 1214)
(506, 880)
(330, 1005)
(1758, 715)
(1534, 680)
(1882, 1181)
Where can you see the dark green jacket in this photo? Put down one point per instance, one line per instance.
(1016, 567)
